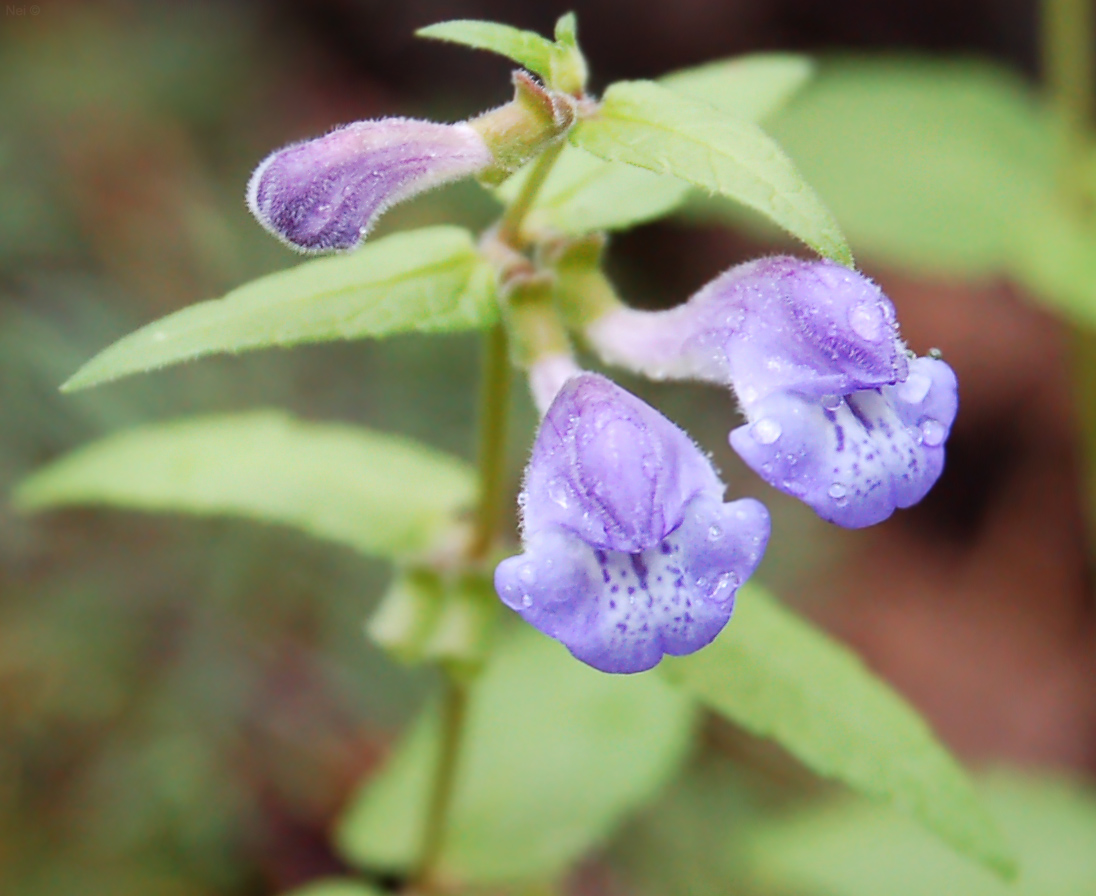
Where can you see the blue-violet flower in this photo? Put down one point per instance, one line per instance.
(325, 194)
(630, 552)
(838, 413)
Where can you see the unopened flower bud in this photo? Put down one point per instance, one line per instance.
(325, 194)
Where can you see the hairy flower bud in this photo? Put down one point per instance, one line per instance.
(838, 415)
(325, 194)
(629, 551)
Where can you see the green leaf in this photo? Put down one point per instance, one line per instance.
(380, 494)
(431, 280)
(680, 843)
(584, 193)
(335, 887)
(554, 755)
(935, 166)
(846, 849)
(751, 87)
(646, 125)
(566, 30)
(778, 677)
(526, 48)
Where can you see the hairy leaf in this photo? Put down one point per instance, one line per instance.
(526, 48)
(751, 87)
(554, 754)
(777, 676)
(380, 494)
(429, 280)
(585, 193)
(649, 126)
(853, 849)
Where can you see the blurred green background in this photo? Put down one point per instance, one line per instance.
(185, 705)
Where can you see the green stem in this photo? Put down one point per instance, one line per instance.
(510, 226)
(453, 709)
(494, 409)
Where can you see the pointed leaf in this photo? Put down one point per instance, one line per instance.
(554, 755)
(777, 676)
(649, 126)
(751, 87)
(429, 280)
(584, 193)
(526, 48)
(381, 494)
(853, 849)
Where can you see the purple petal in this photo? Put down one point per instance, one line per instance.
(765, 326)
(815, 327)
(324, 194)
(611, 469)
(855, 458)
(620, 611)
(630, 552)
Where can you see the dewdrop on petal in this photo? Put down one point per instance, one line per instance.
(630, 552)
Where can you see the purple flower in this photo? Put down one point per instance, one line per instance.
(325, 194)
(629, 551)
(838, 415)
(854, 457)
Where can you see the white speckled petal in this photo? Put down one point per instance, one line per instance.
(855, 458)
(622, 612)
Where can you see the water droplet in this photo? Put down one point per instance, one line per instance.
(701, 582)
(933, 432)
(839, 494)
(748, 395)
(523, 498)
(915, 388)
(527, 574)
(831, 402)
(724, 586)
(866, 320)
(766, 431)
(915, 434)
(714, 533)
(526, 600)
(557, 491)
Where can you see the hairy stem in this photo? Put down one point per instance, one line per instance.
(494, 406)
(512, 218)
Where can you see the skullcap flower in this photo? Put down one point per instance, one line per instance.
(325, 194)
(838, 415)
(630, 552)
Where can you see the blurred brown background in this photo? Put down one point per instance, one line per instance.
(184, 704)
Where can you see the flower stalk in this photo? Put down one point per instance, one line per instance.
(494, 407)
